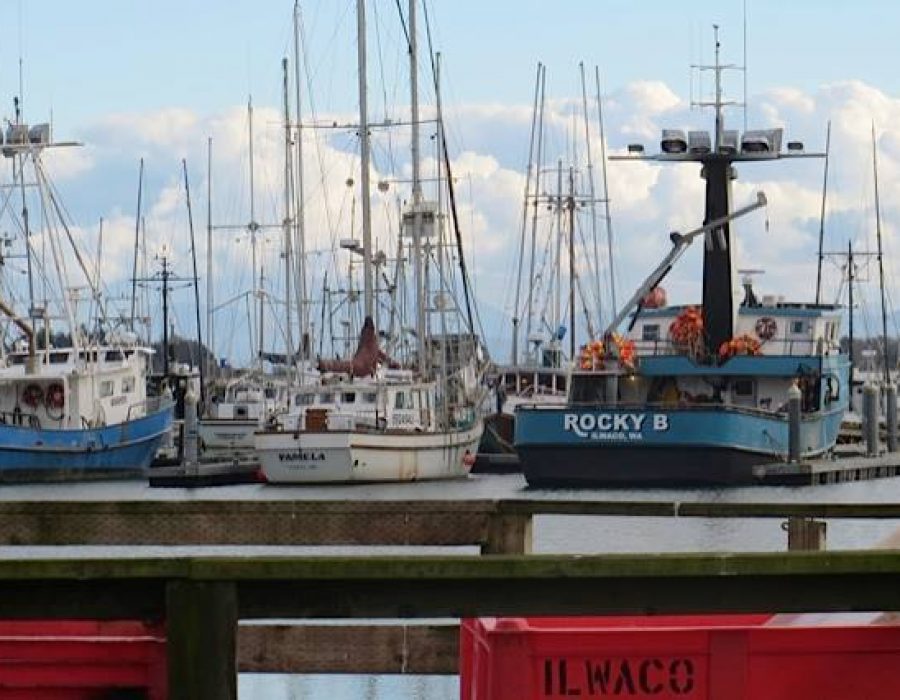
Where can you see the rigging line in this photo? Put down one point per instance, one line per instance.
(451, 191)
(39, 168)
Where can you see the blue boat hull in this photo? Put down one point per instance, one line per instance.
(116, 451)
(605, 446)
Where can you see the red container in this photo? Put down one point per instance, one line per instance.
(81, 660)
(713, 657)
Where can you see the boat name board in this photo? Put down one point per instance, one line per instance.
(614, 426)
(301, 456)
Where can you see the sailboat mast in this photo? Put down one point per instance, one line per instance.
(884, 340)
(850, 279)
(417, 189)
(570, 204)
(368, 296)
(534, 214)
(253, 226)
(187, 195)
(822, 216)
(137, 225)
(209, 229)
(299, 209)
(525, 201)
(591, 191)
(288, 222)
(607, 217)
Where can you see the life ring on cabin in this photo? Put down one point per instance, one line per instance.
(32, 395)
(56, 396)
(766, 327)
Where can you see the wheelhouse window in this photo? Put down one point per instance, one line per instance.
(303, 399)
(107, 388)
(369, 397)
(742, 387)
(650, 332)
(401, 400)
(798, 327)
(113, 356)
(326, 398)
(128, 385)
(348, 397)
(59, 358)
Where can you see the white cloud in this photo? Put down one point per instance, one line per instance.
(490, 150)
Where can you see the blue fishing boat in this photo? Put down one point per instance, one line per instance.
(695, 395)
(73, 388)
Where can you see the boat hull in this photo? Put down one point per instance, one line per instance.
(228, 435)
(123, 450)
(605, 446)
(363, 456)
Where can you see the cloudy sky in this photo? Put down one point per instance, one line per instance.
(158, 80)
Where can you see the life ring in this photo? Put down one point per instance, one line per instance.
(766, 328)
(32, 395)
(56, 396)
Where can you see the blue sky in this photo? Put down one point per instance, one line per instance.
(155, 80)
(85, 59)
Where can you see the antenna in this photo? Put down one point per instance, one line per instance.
(745, 65)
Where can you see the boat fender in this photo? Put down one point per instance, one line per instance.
(766, 327)
(56, 396)
(32, 395)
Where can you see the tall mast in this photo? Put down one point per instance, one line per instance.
(137, 225)
(187, 195)
(884, 340)
(299, 207)
(822, 216)
(417, 189)
(368, 296)
(209, 229)
(851, 275)
(528, 174)
(570, 204)
(288, 222)
(591, 191)
(607, 217)
(537, 188)
(253, 226)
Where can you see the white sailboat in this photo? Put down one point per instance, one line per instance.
(366, 421)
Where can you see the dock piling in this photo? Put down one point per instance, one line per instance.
(795, 398)
(890, 400)
(870, 418)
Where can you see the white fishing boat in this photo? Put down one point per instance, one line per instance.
(73, 402)
(365, 420)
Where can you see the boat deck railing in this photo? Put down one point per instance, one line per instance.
(775, 346)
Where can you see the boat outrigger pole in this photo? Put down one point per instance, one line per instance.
(680, 243)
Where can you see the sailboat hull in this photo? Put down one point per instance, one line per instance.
(365, 456)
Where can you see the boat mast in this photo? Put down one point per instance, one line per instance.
(884, 340)
(137, 226)
(822, 216)
(253, 227)
(609, 229)
(570, 205)
(299, 208)
(591, 190)
(851, 276)
(418, 268)
(288, 222)
(528, 174)
(534, 216)
(209, 269)
(187, 194)
(368, 297)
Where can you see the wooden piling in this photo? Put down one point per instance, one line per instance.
(201, 629)
(805, 534)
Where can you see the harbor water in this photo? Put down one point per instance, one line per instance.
(552, 534)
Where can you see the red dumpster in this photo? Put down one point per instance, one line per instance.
(713, 657)
(82, 660)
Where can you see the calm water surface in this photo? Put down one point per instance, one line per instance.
(552, 534)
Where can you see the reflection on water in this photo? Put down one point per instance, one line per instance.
(569, 534)
(256, 686)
